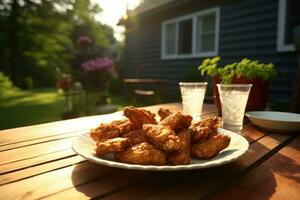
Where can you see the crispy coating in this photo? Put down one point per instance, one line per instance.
(163, 137)
(177, 121)
(200, 131)
(163, 113)
(111, 130)
(199, 134)
(111, 145)
(210, 147)
(138, 117)
(143, 154)
(211, 122)
(135, 137)
(182, 156)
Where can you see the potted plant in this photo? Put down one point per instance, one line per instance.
(244, 72)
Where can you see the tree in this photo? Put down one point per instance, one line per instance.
(42, 36)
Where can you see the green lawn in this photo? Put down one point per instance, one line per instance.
(21, 108)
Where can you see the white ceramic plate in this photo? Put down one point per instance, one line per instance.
(85, 146)
(275, 121)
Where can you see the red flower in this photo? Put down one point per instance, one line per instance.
(65, 82)
(84, 41)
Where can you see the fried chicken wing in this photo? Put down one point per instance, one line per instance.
(111, 145)
(135, 137)
(202, 130)
(163, 137)
(138, 117)
(143, 154)
(163, 113)
(182, 156)
(211, 122)
(177, 121)
(199, 134)
(111, 130)
(210, 147)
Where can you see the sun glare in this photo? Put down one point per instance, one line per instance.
(113, 10)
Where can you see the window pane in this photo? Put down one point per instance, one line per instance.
(208, 42)
(208, 23)
(170, 38)
(185, 37)
(205, 33)
(292, 19)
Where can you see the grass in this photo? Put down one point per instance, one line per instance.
(23, 108)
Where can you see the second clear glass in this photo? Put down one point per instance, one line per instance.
(234, 99)
(192, 94)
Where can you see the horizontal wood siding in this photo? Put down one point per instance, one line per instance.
(247, 29)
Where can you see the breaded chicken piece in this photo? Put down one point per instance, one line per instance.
(138, 117)
(111, 145)
(136, 137)
(163, 137)
(111, 130)
(182, 156)
(210, 147)
(211, 122)
(202, 130)
(163, 113)
(143, 154)
(177, 121)
(199, 134)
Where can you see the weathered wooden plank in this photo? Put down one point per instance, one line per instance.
(34, 150)
(54, 181)
(12, 136)
(22, 164)
(39, 169)
(39, 140)
(277, 178)
(107, 184)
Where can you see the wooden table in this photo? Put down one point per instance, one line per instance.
(38, 162)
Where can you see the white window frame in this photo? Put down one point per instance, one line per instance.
(194, 17)
(281, 46)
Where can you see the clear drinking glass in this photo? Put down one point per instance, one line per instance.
(192, 94)
(234, 99)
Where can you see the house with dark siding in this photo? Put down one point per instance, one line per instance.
(166, 38)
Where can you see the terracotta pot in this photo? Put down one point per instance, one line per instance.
(257, 98)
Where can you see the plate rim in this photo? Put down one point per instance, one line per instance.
(251, 115)
(128, 166)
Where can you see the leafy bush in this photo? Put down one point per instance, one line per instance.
(5, 84)
(250, 69)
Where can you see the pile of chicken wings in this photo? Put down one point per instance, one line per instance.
(173, 140)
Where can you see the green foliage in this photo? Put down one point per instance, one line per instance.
(250, 69)
(46, 36)
(5, 84)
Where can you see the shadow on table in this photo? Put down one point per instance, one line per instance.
(262, 182)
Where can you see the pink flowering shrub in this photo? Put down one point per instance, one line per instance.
(98, 72)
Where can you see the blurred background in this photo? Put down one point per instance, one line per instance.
(61, 59)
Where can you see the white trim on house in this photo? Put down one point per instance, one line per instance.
(194, 17)
(281, 46)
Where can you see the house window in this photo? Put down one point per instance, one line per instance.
(194, 35)
(288, 18)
